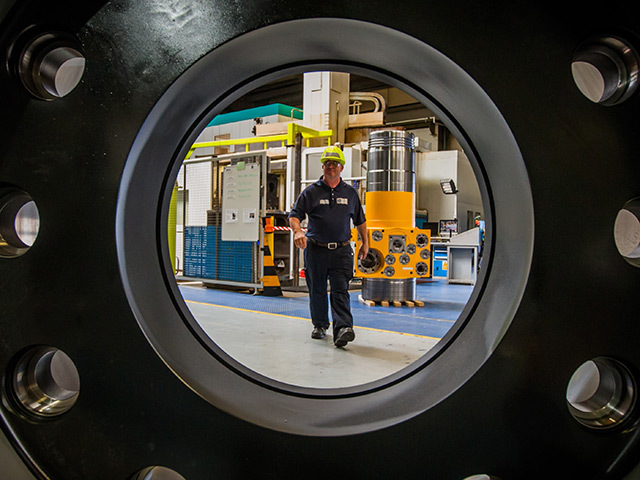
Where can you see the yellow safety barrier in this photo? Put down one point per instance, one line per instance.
(270, 282)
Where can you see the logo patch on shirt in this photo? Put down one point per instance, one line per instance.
(324, 201)
(342, 201)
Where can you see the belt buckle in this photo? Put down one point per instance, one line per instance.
(332, 245)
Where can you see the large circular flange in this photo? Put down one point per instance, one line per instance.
(202, 92)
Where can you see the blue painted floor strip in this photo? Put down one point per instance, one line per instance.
(443, 304)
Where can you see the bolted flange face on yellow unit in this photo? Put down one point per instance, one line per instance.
(394, 253)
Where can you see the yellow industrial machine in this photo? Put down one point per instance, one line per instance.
(399, 253)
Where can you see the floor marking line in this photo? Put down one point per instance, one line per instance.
(307, 319)
(413, 316)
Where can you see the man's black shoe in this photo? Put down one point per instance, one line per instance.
(318, 333)
(345, 335)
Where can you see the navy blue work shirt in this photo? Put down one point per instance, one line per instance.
(329, 210)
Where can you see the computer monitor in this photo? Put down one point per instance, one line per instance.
(448, 227)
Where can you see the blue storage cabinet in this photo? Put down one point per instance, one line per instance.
(439, 255)
(207, 256)
(235, 261)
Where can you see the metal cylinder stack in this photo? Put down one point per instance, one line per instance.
(397, 249)
(391, 162)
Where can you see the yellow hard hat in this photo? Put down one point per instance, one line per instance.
(332, 153)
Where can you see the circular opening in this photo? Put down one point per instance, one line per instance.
(324, 45)
(601, 393)
(19, 222)
(45, 382)
(372, 263)
(221, 213)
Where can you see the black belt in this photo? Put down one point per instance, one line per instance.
(330, 245)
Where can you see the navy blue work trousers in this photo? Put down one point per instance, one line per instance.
(336, 266)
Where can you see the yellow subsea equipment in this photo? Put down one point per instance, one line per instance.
(399, 253)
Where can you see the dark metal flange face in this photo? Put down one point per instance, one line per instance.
(203, 91)
(134, 413)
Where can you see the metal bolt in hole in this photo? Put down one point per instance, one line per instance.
(27, 223)
(626, 232)
(157, 473)
(46, 382)
(601, 393)
(61, 71)
(482, 476)
(19, 222)
(605, 70)
(51, 65)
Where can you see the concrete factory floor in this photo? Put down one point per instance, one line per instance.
(271, 335)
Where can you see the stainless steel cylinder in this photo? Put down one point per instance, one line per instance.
(379, 289)
(391, 162)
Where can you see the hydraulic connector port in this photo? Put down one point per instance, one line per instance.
(397, 243)
(422, 268)
(422, 240)
(371, 263)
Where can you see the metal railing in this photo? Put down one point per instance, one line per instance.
(286, 138)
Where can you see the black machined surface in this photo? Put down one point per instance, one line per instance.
(509, 420)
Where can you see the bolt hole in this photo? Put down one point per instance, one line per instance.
(601, 393)
(157, 473)
(605, 70)
(49, 65)
(482, 476)
(46, 382)
(626, 232)
(19, 223)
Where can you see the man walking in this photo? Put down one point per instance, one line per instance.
(329, 204)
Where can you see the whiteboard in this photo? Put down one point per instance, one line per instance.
(241, 202)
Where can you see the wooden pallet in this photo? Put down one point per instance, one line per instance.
(392, 303)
